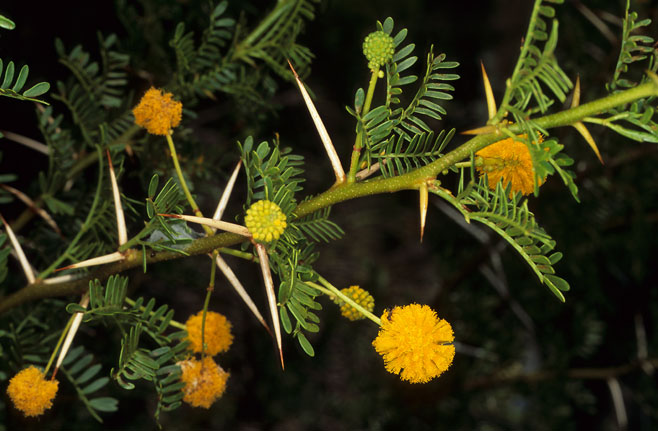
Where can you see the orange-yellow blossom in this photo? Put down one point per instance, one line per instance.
(508, 161)
(158, 112)
(30, 392)
(415, 343)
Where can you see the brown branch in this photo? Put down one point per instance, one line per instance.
(39, 289)
(574, 373)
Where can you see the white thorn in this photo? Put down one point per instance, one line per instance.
(100, 260)
(28, 142)
(223, 201)
(230, 275)
(618, 402)
(423, 208)
(324, 135)
(217, 224)
(27, 269)
(365, 173)
(30, 203)
(62, 279)
(271, 299)
(121, 221)
(72, 331)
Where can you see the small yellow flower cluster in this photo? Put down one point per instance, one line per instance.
(358, 295)
(265, 221)
(378, 47)
(217, 334)
(30, 392)
(158, 113)
(508, 161)
(205, 380)
(415, 343)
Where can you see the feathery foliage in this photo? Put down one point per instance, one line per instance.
(78, 369)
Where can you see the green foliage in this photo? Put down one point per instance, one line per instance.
(164, 233)
(512, 220)
(399, 156)
(94, 90)
(27, 336)
(317, 226)
(634, 48)
(78, 370)
(637, 121)
(393, 134)
(223, 61)
(536, 66)
(6, 23)
(296, 298)
(273, 41)
(108, 303)
(14, 91)
(272, 174)
(203, 70)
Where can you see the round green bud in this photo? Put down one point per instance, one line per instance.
(378, 47)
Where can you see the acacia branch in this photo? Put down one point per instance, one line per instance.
(339, 193)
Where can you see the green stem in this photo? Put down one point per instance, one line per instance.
(183, 183)
(85, 225)
(209, 291)
(573, 115)
(237, 253)
(59, 343)
(242, 49)
(333, 291)
(358, 143)
(528, 40)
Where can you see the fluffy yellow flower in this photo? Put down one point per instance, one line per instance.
(265, 221)
(358, 295)
(414, 343)
(157, 112)
(30, 392)
(508, 161)
(205, 381)
(217, 334)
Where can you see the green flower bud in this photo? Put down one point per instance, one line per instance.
(378, 49)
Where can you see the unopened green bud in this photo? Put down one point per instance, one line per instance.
(378, 49)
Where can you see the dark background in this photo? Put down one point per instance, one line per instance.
(519, 351)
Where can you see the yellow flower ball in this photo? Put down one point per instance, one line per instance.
(265, 221)
(205, 381)
(415, 343)
(30, 392)
(358, 295)
(508, 161)
(217, 333)
(158, 112)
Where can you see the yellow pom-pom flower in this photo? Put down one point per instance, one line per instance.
(217, 334)
(358, 295)
(414, 343)
(508, 161)
(30, 392)
(205, 381)
(265, 221)
(158, 112)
